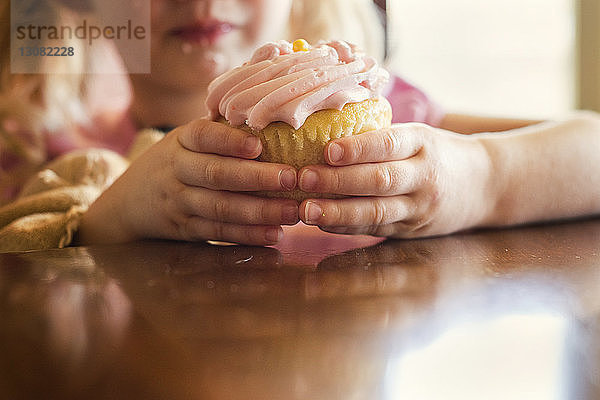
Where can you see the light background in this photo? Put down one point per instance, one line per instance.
(491, 57)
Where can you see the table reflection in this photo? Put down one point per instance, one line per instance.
(508, 314)
(56, 317)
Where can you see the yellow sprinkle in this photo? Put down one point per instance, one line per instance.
(300, 45)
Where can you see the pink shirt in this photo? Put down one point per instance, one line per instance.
(409, 104)
(23, 153)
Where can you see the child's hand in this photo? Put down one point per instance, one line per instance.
(410, 180)
(187, 186)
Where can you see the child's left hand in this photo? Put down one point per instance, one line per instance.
(410, 180)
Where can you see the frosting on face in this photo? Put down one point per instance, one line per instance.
(280, 84)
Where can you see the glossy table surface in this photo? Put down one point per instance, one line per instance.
(506, 314)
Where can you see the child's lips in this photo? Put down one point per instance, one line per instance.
(203, 33)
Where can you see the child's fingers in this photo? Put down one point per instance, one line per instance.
(204, 136)
(225, 173)
(198, 228)
(378, 179)
(399, 142)
(358, 213)
(374, 230)
(236, 208)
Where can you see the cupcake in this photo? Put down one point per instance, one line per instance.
(296, 98)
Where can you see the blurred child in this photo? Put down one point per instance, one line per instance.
(411, 180)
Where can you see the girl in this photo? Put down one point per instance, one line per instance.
(407, 181)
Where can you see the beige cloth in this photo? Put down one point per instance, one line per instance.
(47, 213)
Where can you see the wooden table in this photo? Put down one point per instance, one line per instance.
(507, 314)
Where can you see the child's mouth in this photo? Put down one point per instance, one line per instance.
(203, 33)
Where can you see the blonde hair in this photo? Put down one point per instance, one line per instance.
(354, 21)
(51, 101)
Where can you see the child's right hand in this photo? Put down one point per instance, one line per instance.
(186, 187)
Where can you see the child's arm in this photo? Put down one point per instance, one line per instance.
(413, 180)
(468, 124)
(547, 171)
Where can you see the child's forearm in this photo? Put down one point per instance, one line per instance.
(546, 171)
(468, 124)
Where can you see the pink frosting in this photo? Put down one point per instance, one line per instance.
(278, 84)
